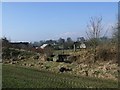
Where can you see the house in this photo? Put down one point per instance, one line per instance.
(44, 46)
(79, 45)
(82, 46)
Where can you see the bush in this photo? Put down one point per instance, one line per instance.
(6, 53)
(9, 53)
(15, 53)
(50, 59)
(36, 57)
(71, 59)
(105, 53)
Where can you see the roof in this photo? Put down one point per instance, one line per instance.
(43, 46)
(25, 43)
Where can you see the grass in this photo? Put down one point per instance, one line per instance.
(0, 75)
(20, 77)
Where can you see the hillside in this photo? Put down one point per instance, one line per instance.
(82, 66)
(25, 69)
(20, 77)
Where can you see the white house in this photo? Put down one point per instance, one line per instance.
(83, 46)
(43, 46)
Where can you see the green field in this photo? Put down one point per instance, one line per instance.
(0, 75)
(19, 77)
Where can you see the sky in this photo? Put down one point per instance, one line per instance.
(35, 21)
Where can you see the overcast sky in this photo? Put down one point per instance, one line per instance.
(29, 21)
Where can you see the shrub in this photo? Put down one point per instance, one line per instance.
(47, 67)
(105, 53)
(36, 57)
(6, 53)
(50, 59)
(70, 59)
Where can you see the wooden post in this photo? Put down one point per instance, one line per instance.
(62, 49)
(74, 47)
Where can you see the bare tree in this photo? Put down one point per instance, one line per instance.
(116, 37)
(116, 32)
(94, 32)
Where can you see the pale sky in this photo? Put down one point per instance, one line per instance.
(30, 21)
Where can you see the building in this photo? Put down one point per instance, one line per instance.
(44, 46)
(20, 45)
(79, 45)
(82, 46)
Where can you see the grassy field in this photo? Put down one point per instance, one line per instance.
(20, 77)
(0, 75)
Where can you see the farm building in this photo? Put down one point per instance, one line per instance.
(82, 46)
(20, 45)
(44, 46)
(78, 45)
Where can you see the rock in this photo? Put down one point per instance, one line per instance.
(14, 59)
(12, 63)
(86, 72)
(96, 73)
(31, 64)
(55, 58)
(42, 66)
(63, 69)
(24, 64)
(107, 68)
